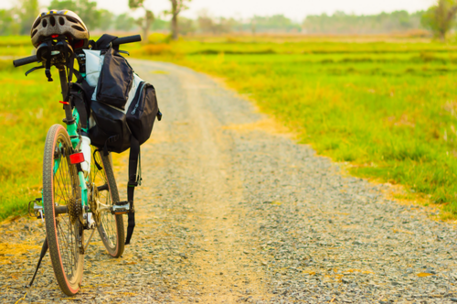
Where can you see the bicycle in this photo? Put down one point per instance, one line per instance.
(74, 200)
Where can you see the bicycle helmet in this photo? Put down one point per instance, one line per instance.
(62, 22)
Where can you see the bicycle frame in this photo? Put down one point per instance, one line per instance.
(72, 121)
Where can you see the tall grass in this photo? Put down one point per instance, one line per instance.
(28, 107)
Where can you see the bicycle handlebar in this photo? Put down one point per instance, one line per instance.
(115, 42)
(128, 39)
(24, 61)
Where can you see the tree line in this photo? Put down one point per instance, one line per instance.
(19, 19)
(342, 23)
(439, 19)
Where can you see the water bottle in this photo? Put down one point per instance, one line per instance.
(85, 149)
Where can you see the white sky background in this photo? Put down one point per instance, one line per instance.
(295, 9)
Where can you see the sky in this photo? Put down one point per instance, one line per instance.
(295, 9)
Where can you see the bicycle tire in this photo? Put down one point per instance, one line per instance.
(61, 188)
(110, 226)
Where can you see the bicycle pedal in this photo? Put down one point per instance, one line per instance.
(121, 208)
(38, 211)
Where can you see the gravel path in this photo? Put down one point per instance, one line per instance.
(231, 210)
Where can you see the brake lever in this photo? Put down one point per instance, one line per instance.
(124, 52)
(34, 69)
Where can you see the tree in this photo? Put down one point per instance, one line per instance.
(160, 25)
(124, 22)
(343, 23)
(106, 19)
(177, 6)
(440, 18)
(146, 21)
(205, 22)
(186, 26)
(86, 10)
(215, 26)
(273, 23)
(8, 24)
(63, 4)
(28, 11)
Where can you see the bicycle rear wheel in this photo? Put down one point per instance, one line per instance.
(110, 226)
(62, 208)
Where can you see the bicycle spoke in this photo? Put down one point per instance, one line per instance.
(68, 245)
(65, 183)
(64, 250)
(110, 226)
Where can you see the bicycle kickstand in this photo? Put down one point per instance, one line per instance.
(42, 254)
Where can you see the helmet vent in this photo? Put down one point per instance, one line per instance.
(77, 27)
(44, 23)
(52, 20)
(36, 23)
(61, 21)
(34, 32)
(71, 19)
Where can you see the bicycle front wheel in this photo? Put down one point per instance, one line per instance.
(62, 208)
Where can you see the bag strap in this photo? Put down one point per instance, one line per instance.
(71, 67)
(81, 104)
(88, 90)
(77, 100)
(134, 181)
(103, 42)
(74, 97)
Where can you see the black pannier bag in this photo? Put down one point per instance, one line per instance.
(115, 81)
(112, 129)
(142, 112)
(123, 109)
(109, 130)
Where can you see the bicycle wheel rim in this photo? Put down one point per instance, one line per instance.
(60, 187)
(110, 226)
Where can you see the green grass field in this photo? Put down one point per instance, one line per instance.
(28, 107)
(387, 108)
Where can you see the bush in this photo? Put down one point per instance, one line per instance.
(159, 38)
(156, 49)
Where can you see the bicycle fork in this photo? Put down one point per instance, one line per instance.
(72, 121)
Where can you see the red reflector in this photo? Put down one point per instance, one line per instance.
(54, 36)
(64, 102)
(77, 158)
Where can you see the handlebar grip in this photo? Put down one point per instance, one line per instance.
(128, 39)
(24, 61)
